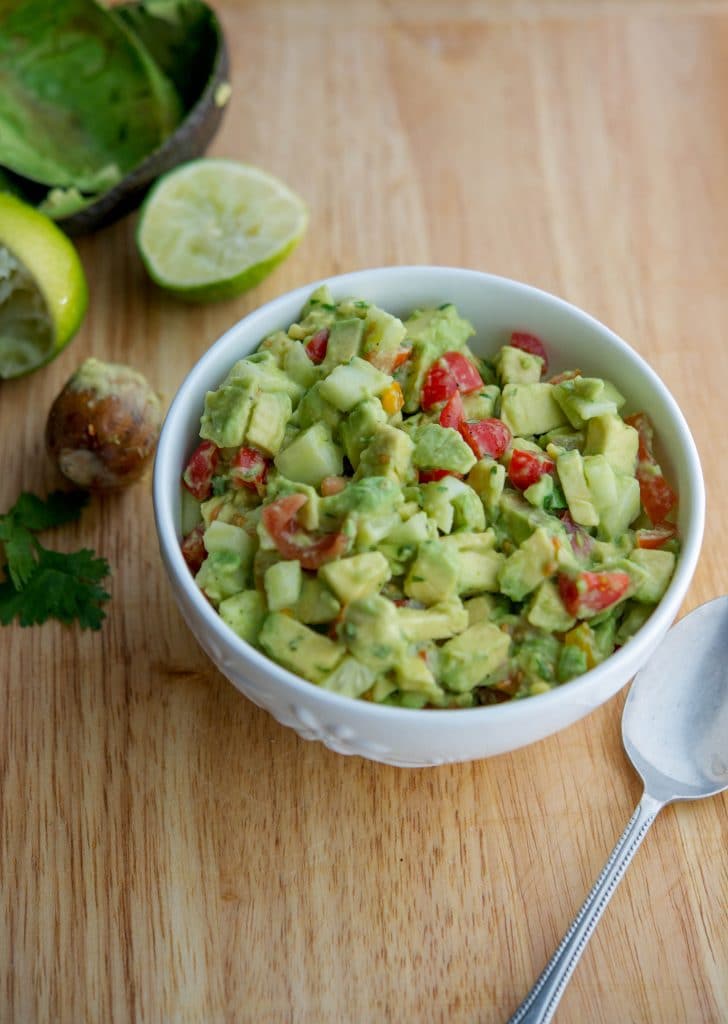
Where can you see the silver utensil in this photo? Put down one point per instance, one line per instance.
(675, 731)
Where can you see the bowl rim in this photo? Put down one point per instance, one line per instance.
(622, 661)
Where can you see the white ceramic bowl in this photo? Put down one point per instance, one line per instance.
(399, 736)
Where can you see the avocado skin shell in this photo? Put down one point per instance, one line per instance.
(189, 140)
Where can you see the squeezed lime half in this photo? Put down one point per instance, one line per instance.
(211, 228)
(43, 291)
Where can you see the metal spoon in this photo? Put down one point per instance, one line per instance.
(675, 731)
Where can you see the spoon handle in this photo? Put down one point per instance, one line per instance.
(540, 1004)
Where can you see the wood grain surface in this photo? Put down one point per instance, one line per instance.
(168, 852)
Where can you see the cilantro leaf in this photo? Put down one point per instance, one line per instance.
(63, 586)
(32, 513)
(59, 507)
(45, 584)
(19, 551)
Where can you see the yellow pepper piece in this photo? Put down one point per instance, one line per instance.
(392, 398)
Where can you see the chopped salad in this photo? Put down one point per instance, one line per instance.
(393, 518)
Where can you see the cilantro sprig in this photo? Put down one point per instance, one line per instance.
(41, 584)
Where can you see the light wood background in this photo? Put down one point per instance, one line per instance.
(168, 852)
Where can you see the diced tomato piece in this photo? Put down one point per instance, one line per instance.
(249, 468)
(452, 372)
(428, 476)
(656, 537)
(452, 412)
(587, 593)
(438, 387)
(658, 498)
(466, 375)
(656, 494)
(292, 541)
(486, 437)
(193, 548)
(332, 485)
(527, 468)
(317, 344)
(200, 470)
(531, 343)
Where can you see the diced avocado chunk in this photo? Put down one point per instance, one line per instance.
(452, 504)
(356, 576)
(316, 604)
(479, 564)
(570, 467)
(433, 575)
(389, 453)
(371, 531)
(634, 618)
(472, 655)
(260, 371)
(481, 405)
(350, 678)
(514, 366)
(311, 457)
(615, 519)
(534, 561)
(480, 608)
(582, 398)
(299, 367)
(313, 408)
(400, 543)
(244, 613)
(439, 447)
(487, 478)
(415, 677)
(345, 338)
(658, 566)
(546, 610)
(299, 648)
(190, 512)
(357, 429)
(221, 575)
(222, 536)
(530, 409)
(226, 415)
(319, 299)
(519, 519)
(282, 583)
(601, 481)
(383, 335)
(351, 382)
(542, 493)
(371, 632)
(268, 420)
(572, 662)
(438, 622)
(617, 441)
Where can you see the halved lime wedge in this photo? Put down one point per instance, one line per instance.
(43, 292)
(210, 229)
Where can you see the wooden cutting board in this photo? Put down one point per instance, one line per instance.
(168, 852)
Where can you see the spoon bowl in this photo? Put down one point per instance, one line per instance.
(675, 721)
(675, 732)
